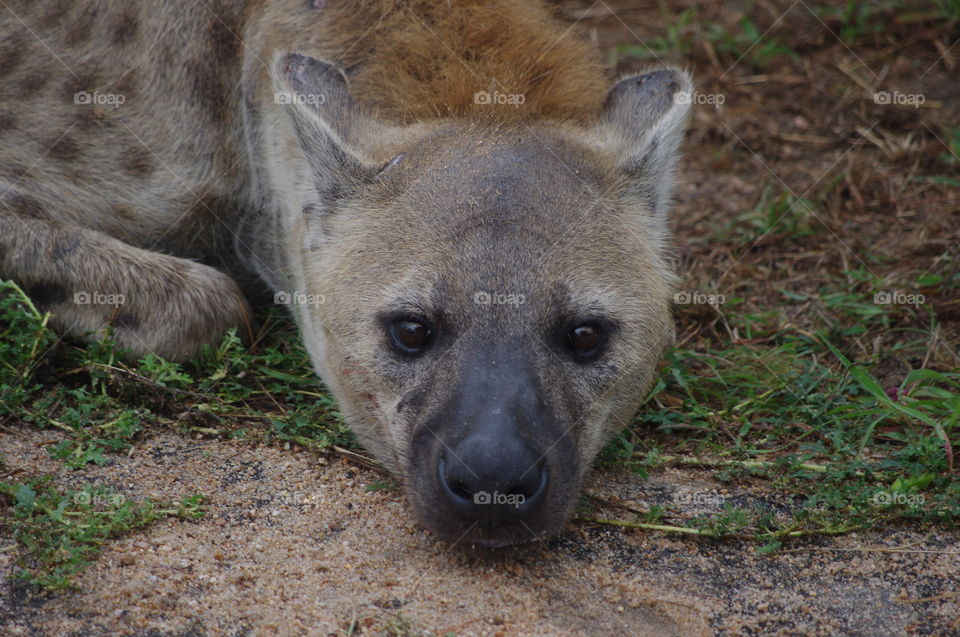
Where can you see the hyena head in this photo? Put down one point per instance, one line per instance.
(495, 296)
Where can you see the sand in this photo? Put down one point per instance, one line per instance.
(294, 543)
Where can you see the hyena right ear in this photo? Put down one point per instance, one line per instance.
(334, 132)
(645, 117)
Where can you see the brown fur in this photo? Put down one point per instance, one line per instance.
(423, 60)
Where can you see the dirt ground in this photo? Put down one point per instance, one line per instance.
(295, 544)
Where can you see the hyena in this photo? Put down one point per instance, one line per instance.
(467, 218)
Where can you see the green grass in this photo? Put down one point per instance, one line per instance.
(744, 43)
(58, 533)
(678, 39)
(776, 214)
(799, 419)
(952, 139)
(104, 403)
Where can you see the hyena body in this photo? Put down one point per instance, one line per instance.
(469, 224)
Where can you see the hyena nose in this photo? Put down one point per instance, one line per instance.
(493, 479)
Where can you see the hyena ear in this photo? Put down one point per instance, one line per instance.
(645, 117)
(333, 131)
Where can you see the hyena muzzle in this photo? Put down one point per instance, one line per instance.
(468, 222)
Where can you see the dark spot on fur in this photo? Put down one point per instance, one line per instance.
(46, 294)
(12, 170)
(125, 27)
(332, 191)
(87, 80)
(25, 205)
(65, 248)
(12, 55)
(229, 163)
(64, 149)
(213, 89)
(137, 161)
(82, 26)
(126, 320)
(31, 83)
(206, 206)
(7, 122)
(55, 13)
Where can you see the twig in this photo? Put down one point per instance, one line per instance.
(651, 527)
(748, 464)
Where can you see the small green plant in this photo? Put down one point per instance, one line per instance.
(24, 341)
(58, 533)
(782, 213)
(799, 414)
(678, 39)
(952, 138)
(748, 45)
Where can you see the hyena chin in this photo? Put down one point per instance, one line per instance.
(469, 224)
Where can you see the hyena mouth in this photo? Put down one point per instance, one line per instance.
(493, 467)
(493, 503)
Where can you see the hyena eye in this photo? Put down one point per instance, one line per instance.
(411, 336)
(585, 338)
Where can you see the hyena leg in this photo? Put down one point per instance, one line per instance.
(88, 281)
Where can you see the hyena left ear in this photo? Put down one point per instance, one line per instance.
(645, 117)
(336, 135)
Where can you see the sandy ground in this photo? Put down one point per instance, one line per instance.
(294, 544)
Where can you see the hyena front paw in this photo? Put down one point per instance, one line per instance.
(169, 307)
(176, 314)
